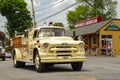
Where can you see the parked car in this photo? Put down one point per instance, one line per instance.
(2, 55)
(7, 54)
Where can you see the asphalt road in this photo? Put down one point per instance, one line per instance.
(95, 68)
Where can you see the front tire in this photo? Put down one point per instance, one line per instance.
(17, 64)
(40, 67)
(76, 66)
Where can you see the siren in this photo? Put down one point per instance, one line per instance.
(50, 23)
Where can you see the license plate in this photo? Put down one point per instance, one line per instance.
(65, 57)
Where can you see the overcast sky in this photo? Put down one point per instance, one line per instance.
(45, 8)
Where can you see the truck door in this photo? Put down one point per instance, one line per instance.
(30, 44)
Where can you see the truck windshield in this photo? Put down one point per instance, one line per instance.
(51, 32)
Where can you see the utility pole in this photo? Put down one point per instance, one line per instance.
(33, 12)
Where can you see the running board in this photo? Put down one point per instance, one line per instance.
(28, 61)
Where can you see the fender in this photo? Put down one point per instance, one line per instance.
(18, 53)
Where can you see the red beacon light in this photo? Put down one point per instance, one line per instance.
(50, 23)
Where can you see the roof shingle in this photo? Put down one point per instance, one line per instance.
(87, 29)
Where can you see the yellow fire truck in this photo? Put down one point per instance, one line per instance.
(46, 46)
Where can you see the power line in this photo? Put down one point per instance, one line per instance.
(57, 12)
(49, 6)
(46, 2)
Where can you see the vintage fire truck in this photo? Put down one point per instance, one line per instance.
(46, 46)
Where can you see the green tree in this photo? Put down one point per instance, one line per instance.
(58, 24)
(92, 8)
(17, 14)
(80, 13)
(2, 36)
(104, 8)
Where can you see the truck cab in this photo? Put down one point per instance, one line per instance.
(47, 46)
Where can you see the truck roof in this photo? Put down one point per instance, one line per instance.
(48, 27)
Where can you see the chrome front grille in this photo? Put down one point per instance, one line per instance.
(63, 49)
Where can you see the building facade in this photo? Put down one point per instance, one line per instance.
(97, 36)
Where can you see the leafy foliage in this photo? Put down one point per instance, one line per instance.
(104, 8)
(92, 8)
(58, 24)
(2, 36)
(81, 12)
(18, 16)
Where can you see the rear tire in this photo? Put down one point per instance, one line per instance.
(17, 64)
(39, 67)
(76, 66)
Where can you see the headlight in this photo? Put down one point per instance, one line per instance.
(45, 45)
(81, 45)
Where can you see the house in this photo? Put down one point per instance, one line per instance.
(99, 34)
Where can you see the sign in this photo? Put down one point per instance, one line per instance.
(88, 22)
(112, 27)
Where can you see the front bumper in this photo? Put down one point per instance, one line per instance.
(63, 59)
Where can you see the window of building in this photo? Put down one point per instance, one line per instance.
(106, 39)
(94, 40)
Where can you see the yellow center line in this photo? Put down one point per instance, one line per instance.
(86, 77)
